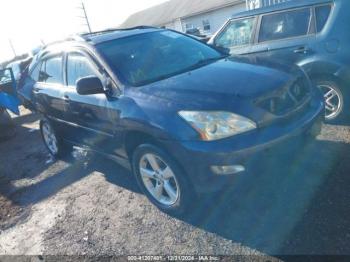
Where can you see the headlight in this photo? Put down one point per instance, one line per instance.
(217, 125)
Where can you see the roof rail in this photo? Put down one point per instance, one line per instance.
(86, 35)
(140, 27)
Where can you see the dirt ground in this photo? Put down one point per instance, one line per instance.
(294, 204)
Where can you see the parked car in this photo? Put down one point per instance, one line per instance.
(8, 94)
(196, 33)
(184, 117)
(24, 94)
(16, 69)
(313, 34)
(8, 101)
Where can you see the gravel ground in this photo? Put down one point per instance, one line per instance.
(295, 204)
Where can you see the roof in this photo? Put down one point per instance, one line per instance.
(280, 6)
(169, 11)
(95, 38)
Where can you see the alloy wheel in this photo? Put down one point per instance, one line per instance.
(49, 138)
(333, 100)
(159, 179)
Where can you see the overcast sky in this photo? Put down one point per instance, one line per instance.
(28, 22)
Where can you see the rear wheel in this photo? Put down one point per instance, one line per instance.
(162, 180)
(56, 146)
(334, 100)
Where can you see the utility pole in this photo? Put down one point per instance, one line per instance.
(85, 17)
(13, 49)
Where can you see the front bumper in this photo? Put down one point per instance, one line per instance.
(249, 149)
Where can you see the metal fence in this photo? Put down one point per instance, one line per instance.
(253, 4)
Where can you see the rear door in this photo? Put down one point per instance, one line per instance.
(48, 90)
(237, 35)
(287, 36)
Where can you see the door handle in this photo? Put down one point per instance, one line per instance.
(36, 90)
(302, 50)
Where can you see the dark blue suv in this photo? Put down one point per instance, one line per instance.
(183, 116)
(313, 34)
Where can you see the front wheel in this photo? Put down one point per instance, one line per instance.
(162, 180)
(334, 100)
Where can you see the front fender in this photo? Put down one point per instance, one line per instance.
(322, 67)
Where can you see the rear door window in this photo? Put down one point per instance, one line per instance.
(51, 71)
(285, 25)
(322, 15)
(236, 33)
(78, 66)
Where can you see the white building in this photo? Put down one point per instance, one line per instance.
(206, 15)
(181, 15)
(253, 4)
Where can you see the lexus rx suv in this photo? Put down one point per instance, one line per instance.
(184, 117)
(313, 34)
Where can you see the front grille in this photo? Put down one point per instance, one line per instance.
(284, 101)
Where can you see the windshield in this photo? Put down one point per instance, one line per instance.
(149, 57)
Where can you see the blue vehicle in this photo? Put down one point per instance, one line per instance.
(8, 92)
(313, 34)
(8, 101)
(184, 117)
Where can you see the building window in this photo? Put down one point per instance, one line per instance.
(206, 25)
(189, 27)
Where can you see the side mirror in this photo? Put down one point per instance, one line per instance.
(89, 85)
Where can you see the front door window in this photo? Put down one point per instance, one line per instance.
(236, 33)
(78, 66)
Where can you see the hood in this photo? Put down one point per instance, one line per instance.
(232, 78)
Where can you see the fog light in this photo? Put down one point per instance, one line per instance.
(227, 170)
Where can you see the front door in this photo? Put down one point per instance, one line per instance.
(93, 118)
(286, 36)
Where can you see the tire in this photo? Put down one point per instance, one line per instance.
(57, 147)
(171, 179)
(336, 100)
